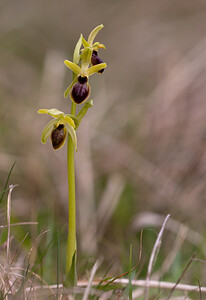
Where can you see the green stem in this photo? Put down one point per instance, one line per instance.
(71, 241)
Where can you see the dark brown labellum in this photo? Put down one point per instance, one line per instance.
(95, 60)
(58, 136)
(80, 90)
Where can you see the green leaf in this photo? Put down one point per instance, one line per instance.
(76, 55)
(72, 133)
(93, 34)
(72, 66)
(47, 130)
(96, 68)
(66, 93)
(71, 278)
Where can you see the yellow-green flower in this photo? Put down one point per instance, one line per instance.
(58, 127)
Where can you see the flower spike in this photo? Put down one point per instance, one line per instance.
(86, 62)
(84, 65)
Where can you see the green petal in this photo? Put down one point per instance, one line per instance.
(55, 113)
(94, 33)
(47, 131)
(72, 66)
(69, 121)
(43, 111)
(86, 59)
(72, 133)
(96, 46)
(85, 43)
(76, 55)
(67, 92)
(96, 68)
(101, 46)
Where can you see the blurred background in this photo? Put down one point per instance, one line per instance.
(141, 147)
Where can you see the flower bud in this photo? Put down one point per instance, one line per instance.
(95, 60)
(80, 90)
(58, 136)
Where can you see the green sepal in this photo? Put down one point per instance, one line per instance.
(71, 277)
(71, 131)
(68, 90)
(72, 66)
(93, 33)
(76, 55)
(85, 43)
(96, 68)
(47, 130)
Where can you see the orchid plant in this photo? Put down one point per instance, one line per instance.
(86, 62)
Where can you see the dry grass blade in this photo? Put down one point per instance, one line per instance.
(200, 260)
(34, 288)
(181, 276)
(162, 285)
(169, 259)
(35, 242)
(106, 296)
(11, 187)
(19, 224)
(178, 298)
(199, 288)
(94, 269)
(3, 280)
(137, 283)
(109, 201)
(148, 218)
(12, 260)
(154, 255)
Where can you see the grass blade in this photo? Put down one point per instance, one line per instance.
(7, 182)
